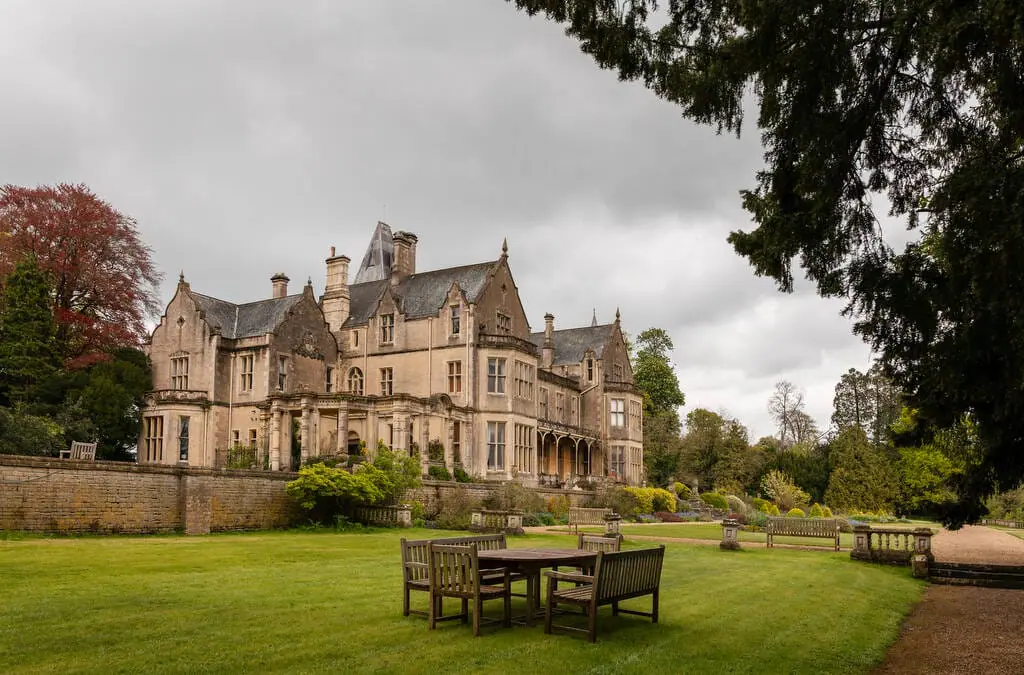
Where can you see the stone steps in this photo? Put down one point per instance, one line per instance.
(967, 574)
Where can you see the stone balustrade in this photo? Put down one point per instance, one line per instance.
(891, 545)
(1013, 524)
(387, 516)
(487, 520)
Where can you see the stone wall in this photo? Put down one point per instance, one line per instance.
(431, 492)
(40, 494)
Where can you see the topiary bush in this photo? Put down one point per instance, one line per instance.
(816, 512)
(826, 512)
(796, 513)
(662, 500)
(715, 500)
(774, 510)
(762, 505)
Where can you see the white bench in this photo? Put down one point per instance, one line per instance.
(82, 451)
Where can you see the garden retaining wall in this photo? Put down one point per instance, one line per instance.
(41, 494)
(431, 492)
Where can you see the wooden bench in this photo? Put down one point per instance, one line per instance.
(617, 576)
(825, 528)
(82, 451)
(581, 516)
(415, 563)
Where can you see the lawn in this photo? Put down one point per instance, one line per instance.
(1009, 530)
(326, 602)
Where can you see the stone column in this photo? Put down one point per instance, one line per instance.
(342, 443)
(449, 441)
(400, 422)
(305, 427)
(275, 438)
(372, 435)
(923, 542)
(314, 432)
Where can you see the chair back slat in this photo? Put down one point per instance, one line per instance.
(589, 542)
(453, 569)
(628, 572)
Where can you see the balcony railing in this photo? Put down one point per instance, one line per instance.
(506, 341)
(178, 395)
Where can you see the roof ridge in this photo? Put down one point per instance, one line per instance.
(437, 271)
(243, 304)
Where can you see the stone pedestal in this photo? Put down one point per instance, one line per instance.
(919, 566)
(612, 526)
(730, 535)
(405, 515)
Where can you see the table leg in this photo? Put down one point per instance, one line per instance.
(532, 593)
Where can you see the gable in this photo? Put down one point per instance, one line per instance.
(571, 344)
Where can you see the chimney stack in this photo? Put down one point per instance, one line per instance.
(279, 285)
(405, 254)
(335, 300)
(548, 351)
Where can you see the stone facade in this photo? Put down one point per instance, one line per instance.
(441, 359)
(50, 495)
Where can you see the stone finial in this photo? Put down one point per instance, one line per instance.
(504, 247)
(181, 277)
(617, 315)
(593, 321)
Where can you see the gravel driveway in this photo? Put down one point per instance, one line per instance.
(977, 544)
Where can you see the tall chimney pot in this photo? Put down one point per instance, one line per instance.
(279, 285)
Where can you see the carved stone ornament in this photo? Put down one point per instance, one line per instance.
(308, 346)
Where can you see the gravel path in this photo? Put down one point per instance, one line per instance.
(977, 544)
(961, 629)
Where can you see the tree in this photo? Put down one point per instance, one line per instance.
(717, 452)
(780, 489)
(28, 352)
(910, 106)
(662, 449)
(863, 477)
(785, 406)
(104, 281)
(866, 400)
(654, 375)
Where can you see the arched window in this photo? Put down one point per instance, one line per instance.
(355, 381)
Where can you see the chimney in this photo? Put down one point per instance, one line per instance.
(279, 284)
(548, 351)
(405, 254)
(335, 300)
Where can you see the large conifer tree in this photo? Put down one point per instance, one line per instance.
(28, 350)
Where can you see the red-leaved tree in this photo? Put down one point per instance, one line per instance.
(105, 283)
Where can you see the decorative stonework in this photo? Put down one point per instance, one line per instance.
(308, 347)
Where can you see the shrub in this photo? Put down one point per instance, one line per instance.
(643, 500)
(816, 512)
(826, 512)
(736, 505)
(741, 518)
(418, 510)
(455, 509)
(662, 499)
(530, 520)
(757, 518)
(666, 517)
(437, 472)
(762, 505)
(558, 506)
(775, 510)
(515, 495)
(715, 500)
(615, 498)
(545, 518)
(782, 490)
(683, 491)
(796, 513)
(435, 450)
(461, 476)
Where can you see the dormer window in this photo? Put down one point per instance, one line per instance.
(387, 329)
(504, 323)
(617, 371)
(590, 370)
(456, 313)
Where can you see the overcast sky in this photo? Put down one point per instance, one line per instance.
(247, 138)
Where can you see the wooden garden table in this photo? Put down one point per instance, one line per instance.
(530, 562)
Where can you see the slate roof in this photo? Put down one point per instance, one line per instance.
(571, 343)
(246, 320)
(421, 294)
(379, 255)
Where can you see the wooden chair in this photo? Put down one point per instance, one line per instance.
(81, 451)
(454, 572)
(590, 542)
(617, 576)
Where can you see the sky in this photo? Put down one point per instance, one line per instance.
(247, 138)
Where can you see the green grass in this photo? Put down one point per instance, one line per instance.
(1009, 530)
(325, 602)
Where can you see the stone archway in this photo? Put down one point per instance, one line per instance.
(353, 444)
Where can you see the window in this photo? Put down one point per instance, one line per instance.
(543, 403)
(355, 338)
(617, 465)
(524, 441)
(282, 372)
(457, 441)
(504, 323)
(617, 372)
(634, 415)
(236, 437)
(574, 410)
(391, 437)
(618, 412)
(247, 366)
(183, 438)
(495, 446)
(456, 312)
(524, 379)
(590, 370)
(179, 372)
(455, 377)
(495, 376)
(387, 381)
(387, 329)
(154, 441)
(329, 380)
(560, 407)
(355, 381)
(252, 438)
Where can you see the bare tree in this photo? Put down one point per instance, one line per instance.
(784, 406)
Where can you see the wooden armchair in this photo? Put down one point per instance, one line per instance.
(454, 572)
(617, 576)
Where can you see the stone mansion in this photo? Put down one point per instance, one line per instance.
(440, 363)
